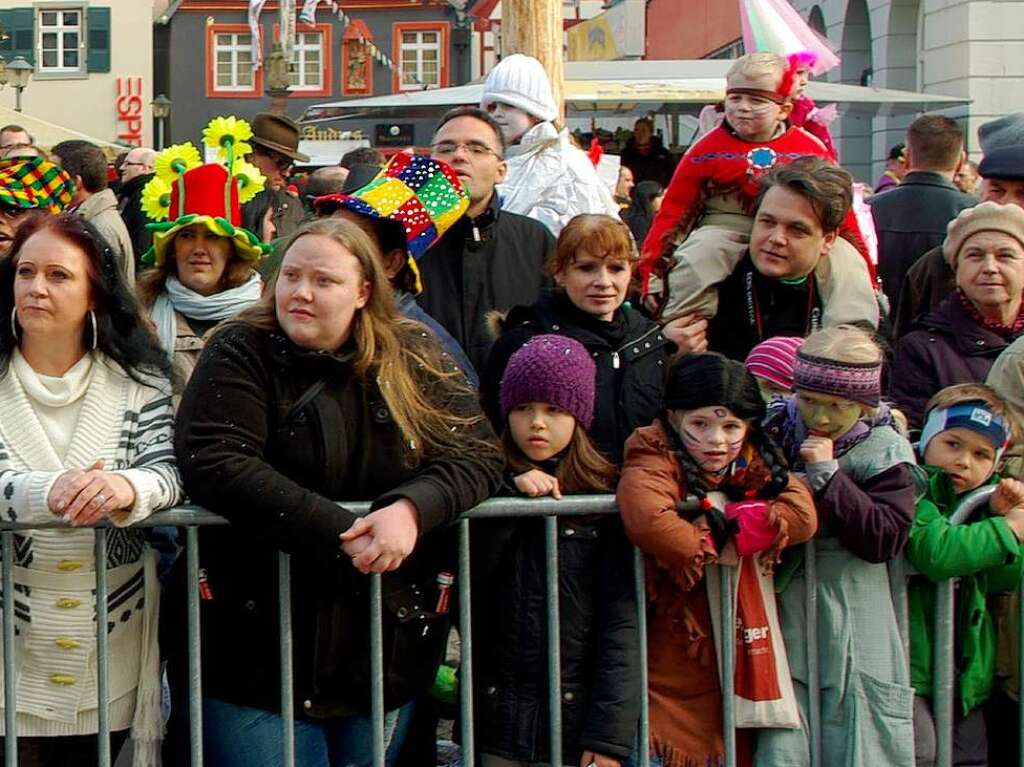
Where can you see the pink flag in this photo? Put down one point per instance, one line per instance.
(776, 27)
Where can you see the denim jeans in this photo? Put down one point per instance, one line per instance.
(239, 736)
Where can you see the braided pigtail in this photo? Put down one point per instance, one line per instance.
(774, 459)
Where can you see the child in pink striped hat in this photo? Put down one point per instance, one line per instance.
(771, 363)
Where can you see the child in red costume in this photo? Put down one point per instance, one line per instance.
(710, 201)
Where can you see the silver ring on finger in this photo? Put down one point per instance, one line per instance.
(101, 498)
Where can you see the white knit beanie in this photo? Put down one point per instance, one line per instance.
(521, 81)
(986, 217)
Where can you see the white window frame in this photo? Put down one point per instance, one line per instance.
(297, 68)
(415, 49)
(234, 48)
(60, 29)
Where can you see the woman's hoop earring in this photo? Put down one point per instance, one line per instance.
(95, 335)
(14, 322)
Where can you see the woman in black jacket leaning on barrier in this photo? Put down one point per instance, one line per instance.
(321, 393)
(593, 267)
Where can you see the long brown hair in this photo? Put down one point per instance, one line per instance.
(401, 354)
(151, 282)
(582, 469)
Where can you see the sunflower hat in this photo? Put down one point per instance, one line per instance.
(184, 191)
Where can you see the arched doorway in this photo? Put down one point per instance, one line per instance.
(897, 66)
(856, 67)
(816, 21)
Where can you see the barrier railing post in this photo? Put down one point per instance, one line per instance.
(10, 677)
(195, 671)
(901, 603)
(377, 669)
(728, 587)
(102, 650)
(554, 648)
(284, 592)
(943, 638)
(466, 638)
(813, 675)
(644, 736)
(942, 701)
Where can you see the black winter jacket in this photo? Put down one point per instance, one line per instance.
(910, 220)
(947, 347)
(600, 653)
(260, 445)
(490, 263)
(632, 356)
(129, 205)
(753, 308)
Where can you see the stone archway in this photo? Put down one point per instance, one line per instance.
(854, 133)
(896, 66)
(816, 21)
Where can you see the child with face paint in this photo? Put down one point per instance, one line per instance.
(709, 438)
(549, 178)
(547, 404)
(837, 433)
(702, 229)
(966, 430)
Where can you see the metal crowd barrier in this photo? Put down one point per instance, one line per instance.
(191, 518)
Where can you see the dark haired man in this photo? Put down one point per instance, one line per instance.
(646, 156)
(490, 259)
(94, 201)
(911, 218)
(774, 291)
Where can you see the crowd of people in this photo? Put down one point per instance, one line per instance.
(750, 358)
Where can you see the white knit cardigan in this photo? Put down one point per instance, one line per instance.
(129, 426)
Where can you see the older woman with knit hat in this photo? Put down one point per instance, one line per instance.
(549, 178)
(959, 341)
(203, 260)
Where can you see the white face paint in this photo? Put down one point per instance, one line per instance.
(514, 122)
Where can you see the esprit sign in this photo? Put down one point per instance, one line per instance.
(129, 110)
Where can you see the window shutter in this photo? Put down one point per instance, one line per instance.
(22, 32)
(98, 29)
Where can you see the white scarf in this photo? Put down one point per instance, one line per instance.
(177, 298)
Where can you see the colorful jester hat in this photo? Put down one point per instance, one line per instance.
(184, 191)
(34, 183)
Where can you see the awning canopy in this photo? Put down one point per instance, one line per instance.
(616, 87)
(48, 134)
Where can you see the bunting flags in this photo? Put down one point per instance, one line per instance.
(255, 9)
(287, 25)
(307, 16)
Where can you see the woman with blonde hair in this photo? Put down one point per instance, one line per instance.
(322, 393)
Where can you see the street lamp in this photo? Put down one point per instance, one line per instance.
(16, 75)
(161, 106)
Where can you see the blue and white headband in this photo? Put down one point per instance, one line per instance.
(975, 416)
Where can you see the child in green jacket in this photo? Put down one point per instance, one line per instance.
(966, 430)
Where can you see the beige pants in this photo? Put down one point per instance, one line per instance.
(712, 252)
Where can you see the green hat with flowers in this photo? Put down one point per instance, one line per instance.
(184, 191)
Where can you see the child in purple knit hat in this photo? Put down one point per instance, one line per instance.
(547, 404)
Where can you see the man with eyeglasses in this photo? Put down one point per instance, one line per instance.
(136, 171)
(491, 259)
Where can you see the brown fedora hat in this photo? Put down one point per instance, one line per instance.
(279, 133)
